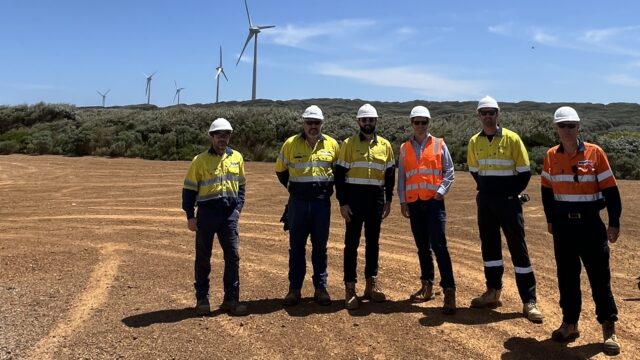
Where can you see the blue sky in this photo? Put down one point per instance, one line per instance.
(63, 51)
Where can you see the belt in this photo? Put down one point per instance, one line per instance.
(580, 216)
(574, 216)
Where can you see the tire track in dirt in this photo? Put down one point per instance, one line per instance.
(94, 296)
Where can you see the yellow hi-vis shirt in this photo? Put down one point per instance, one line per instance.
(366, 162)
(497, 163)
(310, 169)
(216, 177)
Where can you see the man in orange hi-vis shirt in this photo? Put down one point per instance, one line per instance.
(577, 182)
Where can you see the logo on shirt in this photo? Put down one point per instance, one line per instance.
(587, 163)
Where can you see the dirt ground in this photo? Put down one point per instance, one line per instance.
(96, 262)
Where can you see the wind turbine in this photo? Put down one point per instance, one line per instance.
(148, 90)
(177, 92)
(103, 95)
(253, 31)
(219, 70)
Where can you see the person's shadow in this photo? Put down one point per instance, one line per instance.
(530, 348)
(466, 316)
(386, 307)
(255, 307)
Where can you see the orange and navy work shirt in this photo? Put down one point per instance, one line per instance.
(577, 181)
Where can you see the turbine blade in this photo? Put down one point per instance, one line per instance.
(105, 94)
(244, 47)
(248, 17)
(174, 96)
(175, 83)
(151, 76)
(218, 72)
(225, 75)
(266, 27)
(99, 93)
(220, 55)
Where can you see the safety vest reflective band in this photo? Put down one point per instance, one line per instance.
(366, 162)
(308, 164)
(577, 179)
(504, 156)
(422, 177)
(214, 176)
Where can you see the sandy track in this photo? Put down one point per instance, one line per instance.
(96, 262)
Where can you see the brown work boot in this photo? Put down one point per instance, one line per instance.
(449, 307)
(424, 294)
(372, 291)
(611, 345)
(530, 311)
(350, 298)
(566, 332)
(321, 296)
(292, 298)
(490, 299)
(234, 307)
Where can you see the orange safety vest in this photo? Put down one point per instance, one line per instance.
(423, 177)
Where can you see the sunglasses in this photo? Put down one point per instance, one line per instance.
(574, 168)
(220, 133)
(487, 112)
(367, 120)
(313, 122)
(567, 126)
(420, 122)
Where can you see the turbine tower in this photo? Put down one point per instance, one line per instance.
(253, 31)
(219, 70)
(103, 95)
(148, 90)
(177, 95)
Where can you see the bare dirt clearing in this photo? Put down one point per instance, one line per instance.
(96, 262)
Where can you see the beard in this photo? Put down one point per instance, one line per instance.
(367, 129)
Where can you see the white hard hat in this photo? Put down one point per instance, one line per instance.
(487, 102)
(220, 124)
(420, 111)
(565, 113)
(312, 112)
(367, 111)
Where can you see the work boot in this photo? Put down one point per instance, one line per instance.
(449, 307)
(292, 298)
(372, 292)
(566, 332)
(350, 298)
(234, 307)
(611, 344)
(490, 299)
(321, 296)
(424, 294)
(203, 307)
(530, 311)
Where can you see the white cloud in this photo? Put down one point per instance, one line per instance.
(597, 36)
(623, 79)
(542, 37)
(405, 30)
(297, 36)
(422, 82)
(502, 29)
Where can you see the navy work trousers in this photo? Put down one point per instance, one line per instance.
(225, 225)
(495, 212)
(371, 217)
(308, 218)
(583, 239)
(428, 219)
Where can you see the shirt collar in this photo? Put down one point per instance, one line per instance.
(375, 137)
(580, 146)
(227, 151)
(498, 133)
(424, 142)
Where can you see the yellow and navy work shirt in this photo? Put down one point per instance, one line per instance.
(365, 169)
(582, 183)
(499, 163)
(214, 181)
(307, 171)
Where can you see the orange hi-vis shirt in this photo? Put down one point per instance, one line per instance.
(423, 177)
(577, 181)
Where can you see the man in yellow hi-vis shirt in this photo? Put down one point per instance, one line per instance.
(305, 167)
(215, 183)
(365, 177)
(499, 163)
